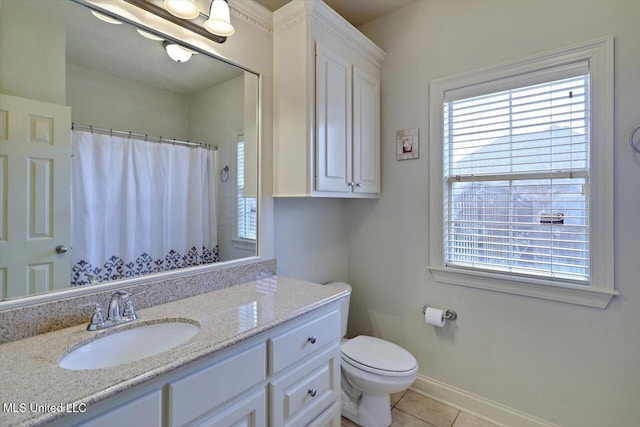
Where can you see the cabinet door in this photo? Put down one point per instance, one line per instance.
(204, 391)
(333, 122)
(250, 411)
(144, 411)
(366, 132)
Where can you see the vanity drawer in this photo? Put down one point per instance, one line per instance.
(303, 394)
(302, 341)
(203, 391)
(331, 417)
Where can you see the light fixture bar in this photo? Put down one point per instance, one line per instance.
(164, 14)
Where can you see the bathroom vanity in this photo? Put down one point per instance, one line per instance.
(267, 353)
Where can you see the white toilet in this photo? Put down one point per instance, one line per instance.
(372, 369)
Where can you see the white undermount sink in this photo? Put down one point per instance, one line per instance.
(129, 345)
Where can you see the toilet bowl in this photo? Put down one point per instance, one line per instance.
(372, 369)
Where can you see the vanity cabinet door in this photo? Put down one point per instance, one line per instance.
(250, 411)
(142, 412)
(205, 390)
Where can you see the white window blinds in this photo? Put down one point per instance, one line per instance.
(247, 206)
(516, 166)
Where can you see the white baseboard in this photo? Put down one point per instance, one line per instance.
(476, 405)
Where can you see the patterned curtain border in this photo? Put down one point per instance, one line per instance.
(116, 268)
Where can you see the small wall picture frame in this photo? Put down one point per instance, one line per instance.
(407, 144)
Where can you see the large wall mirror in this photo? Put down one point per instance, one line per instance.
(122, 153)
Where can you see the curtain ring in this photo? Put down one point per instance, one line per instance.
(160, 142)
(111, 132)
(91, 128)
(636, 147)
(129, 134)
(145, 137)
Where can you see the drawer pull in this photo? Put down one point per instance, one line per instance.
(313, 392)
(312, 339)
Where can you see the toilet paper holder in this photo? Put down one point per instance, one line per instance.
(448, 314)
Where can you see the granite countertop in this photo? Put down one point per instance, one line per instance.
(30, 371)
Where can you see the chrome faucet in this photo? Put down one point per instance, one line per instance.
(120, 311)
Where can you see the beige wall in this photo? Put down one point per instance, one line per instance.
(310, 238)
(110, 102)
(570, 365)
(215, 115)
(32, 55)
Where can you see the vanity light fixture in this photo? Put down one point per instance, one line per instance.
(219, 22)
(177, 52)
(105, 18)
(216, 28)
(185, 9)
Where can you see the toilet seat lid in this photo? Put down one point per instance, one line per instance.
(378, 356)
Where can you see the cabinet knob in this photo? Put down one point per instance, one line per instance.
(350, 184)
(313, 392)
(359, 185)
(61, 249)
(312, 339)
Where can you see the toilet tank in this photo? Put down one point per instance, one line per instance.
(345, 304)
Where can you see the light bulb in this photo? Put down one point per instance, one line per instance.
(149, 35)
(177, 52)
(105, 18)
(219, 22)
(185, 9)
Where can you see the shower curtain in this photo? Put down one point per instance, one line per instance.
(139, 207)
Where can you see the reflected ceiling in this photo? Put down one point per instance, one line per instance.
(118, 53)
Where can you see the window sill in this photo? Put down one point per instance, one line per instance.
(245, 244)
(537, 288)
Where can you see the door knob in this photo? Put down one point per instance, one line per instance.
(61, 249)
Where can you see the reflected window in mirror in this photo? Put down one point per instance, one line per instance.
(247, 227)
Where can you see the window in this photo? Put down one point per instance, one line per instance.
(521, 158)
(247, 206)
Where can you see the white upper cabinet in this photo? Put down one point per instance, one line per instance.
(327, 105)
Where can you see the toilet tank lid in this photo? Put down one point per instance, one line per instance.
(379, 354)
(340, 285)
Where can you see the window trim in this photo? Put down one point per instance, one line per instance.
(599, 54)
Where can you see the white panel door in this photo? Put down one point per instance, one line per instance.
(35, 166)
(333, 122)
(366, 132)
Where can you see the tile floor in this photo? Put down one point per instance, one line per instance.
(411, 409)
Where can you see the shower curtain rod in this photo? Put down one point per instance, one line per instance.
(143, 136)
